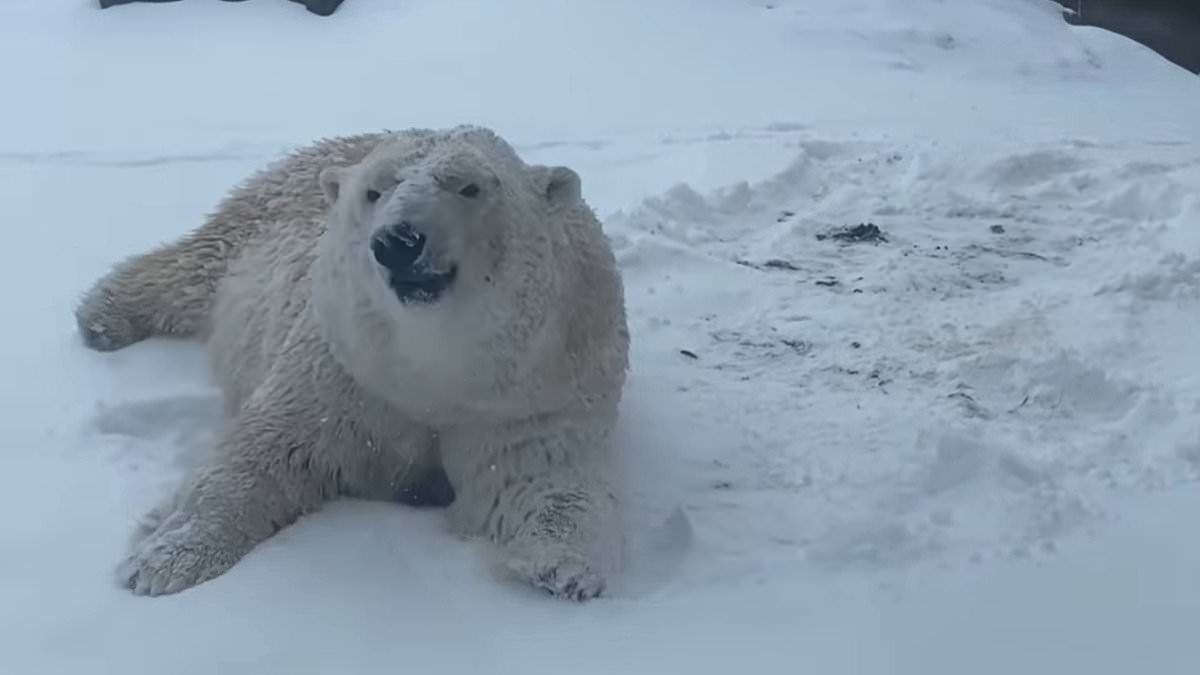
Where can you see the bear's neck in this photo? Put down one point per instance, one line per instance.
(469, 358)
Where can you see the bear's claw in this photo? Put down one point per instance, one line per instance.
(102, 325)
(562, 572)
(183, 552)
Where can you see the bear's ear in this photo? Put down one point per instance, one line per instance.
(559, 184)
(331, 183)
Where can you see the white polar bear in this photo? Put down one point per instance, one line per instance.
(413, 315)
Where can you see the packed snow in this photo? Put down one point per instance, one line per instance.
(913, 285)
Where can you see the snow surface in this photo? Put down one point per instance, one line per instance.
(969, 448)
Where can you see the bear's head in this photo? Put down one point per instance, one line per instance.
(443, 261)
(437, 210)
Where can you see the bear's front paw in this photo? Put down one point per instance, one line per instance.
(180, 551)
(103, 324)
(559, 570)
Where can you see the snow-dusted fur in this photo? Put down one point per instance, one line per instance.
(499, 396)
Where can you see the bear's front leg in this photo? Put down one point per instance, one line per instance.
(542, 492)
(262, 477)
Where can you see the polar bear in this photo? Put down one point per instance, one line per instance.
(415, 315)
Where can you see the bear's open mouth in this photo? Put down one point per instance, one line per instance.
(421, 287)
(401, 252)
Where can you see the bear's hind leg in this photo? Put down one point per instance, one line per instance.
(166, 291)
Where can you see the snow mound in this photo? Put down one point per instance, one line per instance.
(910, 352)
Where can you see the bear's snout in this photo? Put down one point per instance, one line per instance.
(397, 247)
(413, 276)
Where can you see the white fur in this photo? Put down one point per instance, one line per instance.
(507, 386)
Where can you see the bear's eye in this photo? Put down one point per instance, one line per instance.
(470, 191)
(373, 196)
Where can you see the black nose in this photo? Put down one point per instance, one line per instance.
(397, 248)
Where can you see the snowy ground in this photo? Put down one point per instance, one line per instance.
(968, 446)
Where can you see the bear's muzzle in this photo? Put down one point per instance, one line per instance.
(401, 250)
